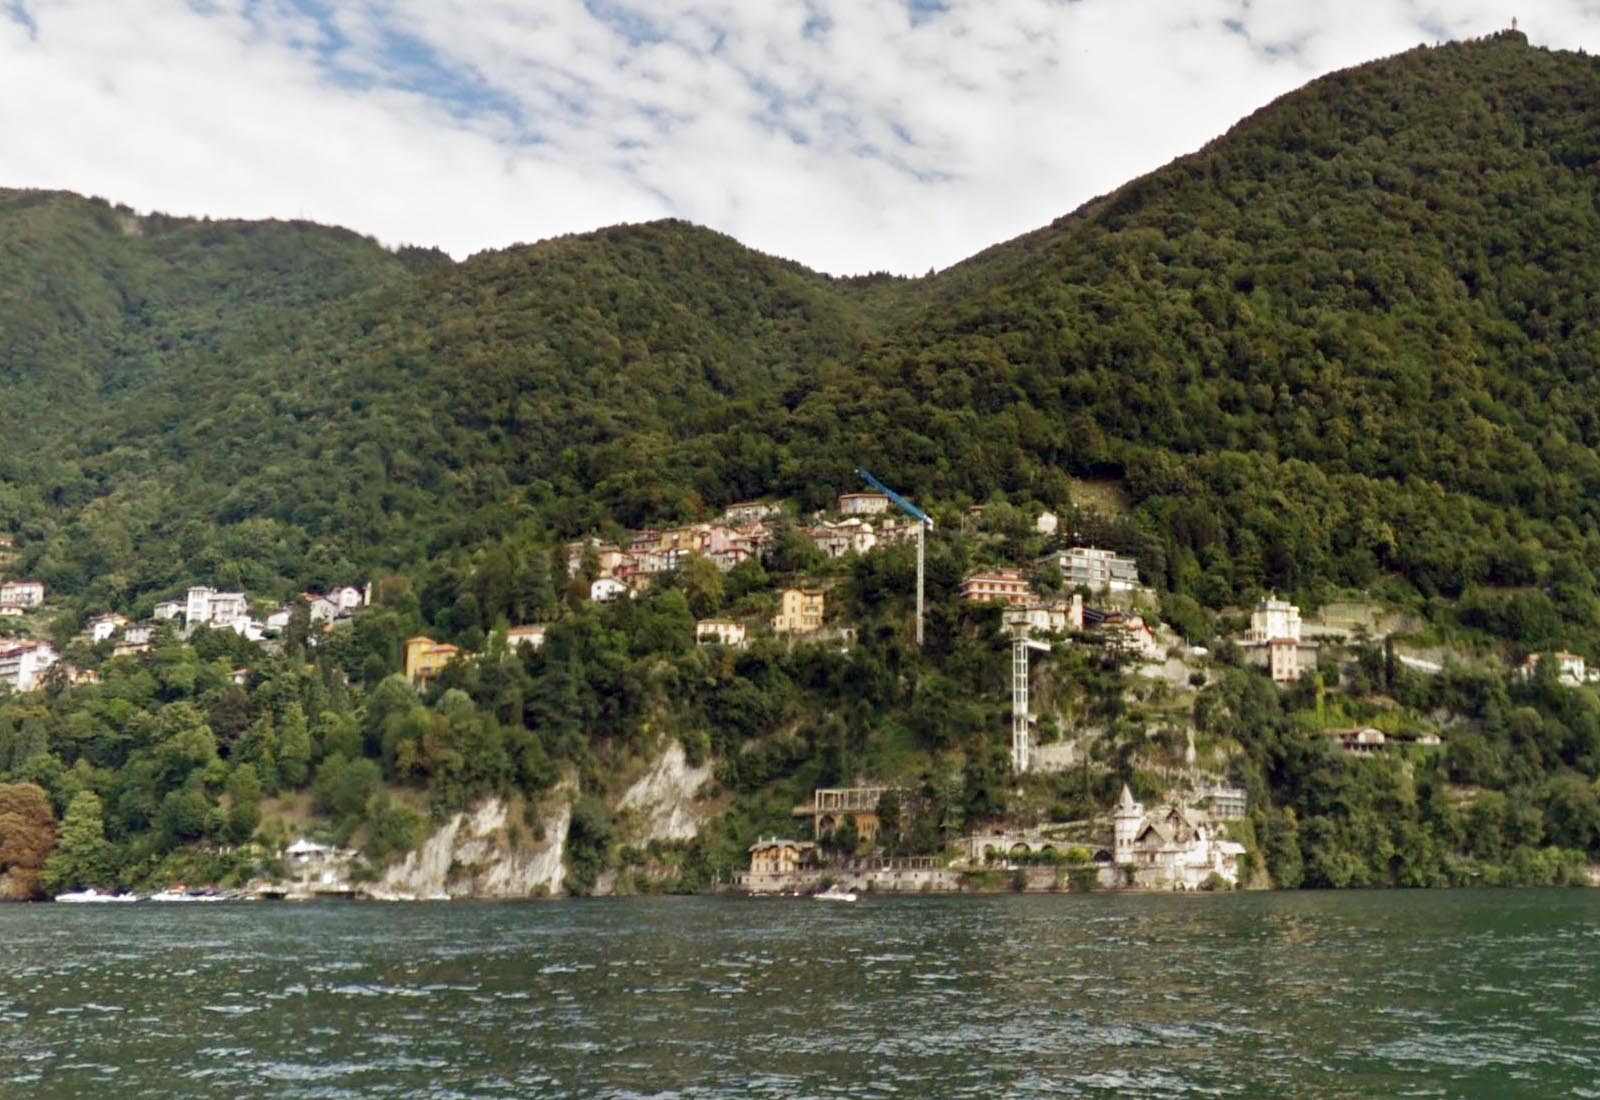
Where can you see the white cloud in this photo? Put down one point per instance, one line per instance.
(838, 132)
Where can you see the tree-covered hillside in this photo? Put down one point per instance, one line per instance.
(1347, 347)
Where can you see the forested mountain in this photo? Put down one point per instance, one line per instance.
(1349, 345)
(1353, 336)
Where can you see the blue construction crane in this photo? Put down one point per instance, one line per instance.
(924, 523)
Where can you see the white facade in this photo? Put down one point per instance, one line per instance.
(720, 632)
(850, 536)
(608, 589)
(244, 626)
(349, 597)
(863, 504)
(749, 511)
(1274, 620)
(23, 666)
(206, 605)
(105, 627)
(1055, 617)
(22, 593)
(168, 609)
(1095, 569)
(1047, 523)
(531, 636)
(321, 609)
(1173, 848)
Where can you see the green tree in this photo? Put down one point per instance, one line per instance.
(82, 856)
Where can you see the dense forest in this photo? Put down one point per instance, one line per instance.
(1346, 350)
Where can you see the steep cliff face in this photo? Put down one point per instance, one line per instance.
(474, 855)
(480, 853)
(663, 802)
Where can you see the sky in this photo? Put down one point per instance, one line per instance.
(851, 135)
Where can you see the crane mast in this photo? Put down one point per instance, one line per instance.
(924, 522)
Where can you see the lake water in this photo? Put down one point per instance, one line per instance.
(1443, 994)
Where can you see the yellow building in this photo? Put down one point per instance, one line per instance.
(425, 657)
(780, 857)
(799, 613)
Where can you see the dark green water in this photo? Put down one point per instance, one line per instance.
(1464, 994)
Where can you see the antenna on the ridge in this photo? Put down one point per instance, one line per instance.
(1513, 22)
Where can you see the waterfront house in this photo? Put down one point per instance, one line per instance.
(1172, 848)
(779, 865)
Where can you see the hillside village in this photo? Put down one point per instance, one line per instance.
(1068, 595)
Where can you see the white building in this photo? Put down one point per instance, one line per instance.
(1052, 616)
(608, 589)
(532, 636)
(750, 511)
(349, 598)
(320, 609)
(22, 593)
(851, 536)
(1274, 642)
(206, 605)
(720, 632)
(1571, 669)
(1095, 569)
(168, 609)
(244, 626)
(863, 504)
(1047, 523)
(1173, 848)
(105, 626)
(1273, 619)
(23, 665)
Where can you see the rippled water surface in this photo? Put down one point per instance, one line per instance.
(1465, 994)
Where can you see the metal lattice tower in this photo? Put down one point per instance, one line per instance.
(1021, 716)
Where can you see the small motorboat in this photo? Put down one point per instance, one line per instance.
(91, 896)
(835, 893)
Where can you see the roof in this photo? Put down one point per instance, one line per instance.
(304, 847)
(776, 842)
(1126, 802)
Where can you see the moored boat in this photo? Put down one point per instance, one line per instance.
(91, 896)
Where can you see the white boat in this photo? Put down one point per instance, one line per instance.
(182, 896)
(834, 893)
(91, 896)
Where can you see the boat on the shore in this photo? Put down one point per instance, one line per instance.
(91, 896)
(181, 896)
